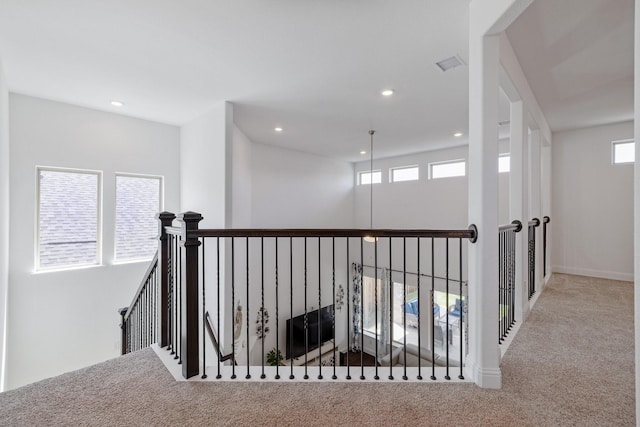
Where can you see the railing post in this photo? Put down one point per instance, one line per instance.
(165, 219)
(123, 326)
(189, 343)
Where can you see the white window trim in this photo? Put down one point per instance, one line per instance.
(431, 164)
(117, 261)
(360, 173)
(613, 151)
(391, 170)
(99, 189)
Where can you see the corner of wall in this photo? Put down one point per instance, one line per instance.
(4, 221)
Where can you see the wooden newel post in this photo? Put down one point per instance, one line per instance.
(190, 348)
(123, 327)
(165, 219)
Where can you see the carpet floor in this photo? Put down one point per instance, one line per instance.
(571, 364)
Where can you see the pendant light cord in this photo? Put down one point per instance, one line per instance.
(371, 132)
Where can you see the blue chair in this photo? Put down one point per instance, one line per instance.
(456, 309)
(411, 307)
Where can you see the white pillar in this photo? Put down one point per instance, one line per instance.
(4, 221)
(487, 19)
(483, 361)
(546, 202)
(519, 202)
(636, 214)
(535, 201)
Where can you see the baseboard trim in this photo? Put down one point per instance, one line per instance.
(488, 378)
(601, 274)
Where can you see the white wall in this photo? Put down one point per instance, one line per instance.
(279, 188)
(592, 204)
(4, 217)
(241, 186)
(203, 166)
(431, 204)
(60, 321)
(291, 189)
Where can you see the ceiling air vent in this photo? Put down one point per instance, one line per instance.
(450, 63)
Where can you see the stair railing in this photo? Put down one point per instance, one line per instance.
(260, 271)
(545, 221)
(506, 277)
(255, 279)
(535, 222)
(146, 320)
(139, 320)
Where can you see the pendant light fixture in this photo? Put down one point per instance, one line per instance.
(371, 239)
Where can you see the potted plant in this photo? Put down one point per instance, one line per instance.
(274, 358)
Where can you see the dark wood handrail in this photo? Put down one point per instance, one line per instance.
(214, 340)
(330, 232)
(515, 225)
(145, 279)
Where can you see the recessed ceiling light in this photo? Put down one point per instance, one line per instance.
(458, 134)
(278, 129)
(117, 103)
(387, 92)
(363, 152)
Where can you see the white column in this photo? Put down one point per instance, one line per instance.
(4, 220)
(483, 362)
(636, 191)
(535, 201)
(546, 201)
(519, 202)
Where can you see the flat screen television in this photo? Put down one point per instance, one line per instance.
(319, 330)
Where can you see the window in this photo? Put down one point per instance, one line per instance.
(402, 303)
(624, 151)
(68, 233)
(447, 169)
(504, 163)
(405, 173)
(383, 302)
(369, 177)
(138, 201)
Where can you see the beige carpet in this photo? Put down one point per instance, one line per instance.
(571, 364)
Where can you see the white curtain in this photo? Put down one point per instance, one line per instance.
(383, 290)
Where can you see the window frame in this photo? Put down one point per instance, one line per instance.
(430, 166)
(160, 178)
(371, 172)
(392, 170)
(613, 151)
(99, 214)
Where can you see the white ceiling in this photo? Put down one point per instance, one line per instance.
(316, 68)
(577, 56)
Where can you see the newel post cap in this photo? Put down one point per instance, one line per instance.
(190, 218)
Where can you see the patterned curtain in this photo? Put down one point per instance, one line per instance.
(356, 321)
(384, 311)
